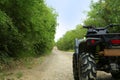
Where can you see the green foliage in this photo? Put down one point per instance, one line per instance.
(104, 12)
(19, 75)
(67, 41)
(10, 40)
(27, 28)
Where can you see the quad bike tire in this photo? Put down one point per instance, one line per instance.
(86, 67)
(75, 69)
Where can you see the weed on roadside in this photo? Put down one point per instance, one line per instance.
(19, 75)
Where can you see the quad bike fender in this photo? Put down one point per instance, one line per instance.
(93, 41)
(86, 44)
(77, 46)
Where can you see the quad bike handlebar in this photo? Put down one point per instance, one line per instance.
(101, 28)
(112, 25)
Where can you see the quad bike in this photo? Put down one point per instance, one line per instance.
(99, 50)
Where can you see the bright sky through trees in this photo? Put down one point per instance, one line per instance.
(71, 13)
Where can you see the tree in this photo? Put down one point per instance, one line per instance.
(29, 27)
(67, 41)
(104, 12)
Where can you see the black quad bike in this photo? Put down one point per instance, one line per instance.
(99, 50)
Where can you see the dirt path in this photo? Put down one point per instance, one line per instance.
(57, 66)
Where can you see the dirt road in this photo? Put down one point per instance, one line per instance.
(57, 66)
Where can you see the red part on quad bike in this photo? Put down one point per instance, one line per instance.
(115, 41)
